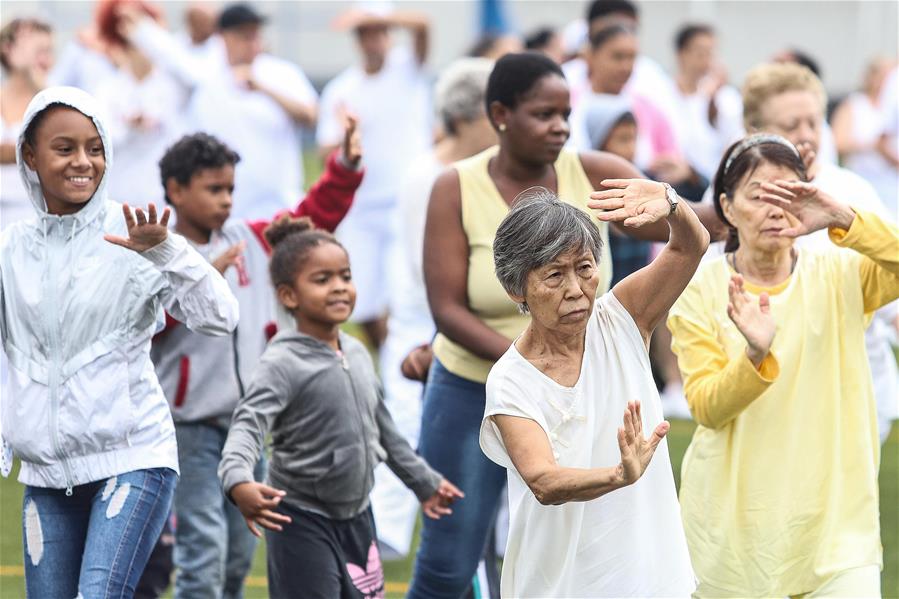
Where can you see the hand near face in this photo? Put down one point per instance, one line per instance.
(753, 319)
(632, 202)
(257, 503)
(144, 232)
(637, 451)
(229, 257)
(814, 209)
(437, 505)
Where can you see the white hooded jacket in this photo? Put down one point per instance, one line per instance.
(77, 314)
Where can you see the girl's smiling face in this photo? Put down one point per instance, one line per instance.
(67, 153)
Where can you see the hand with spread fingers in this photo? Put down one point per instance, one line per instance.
(812, 208)
(636, 450)
(753, 319)
(144, 230)
(632, 202)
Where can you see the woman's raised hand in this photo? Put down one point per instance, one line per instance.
(637, 451)
(753, 319)
(144, 230)
(813, 208)
(632, 202)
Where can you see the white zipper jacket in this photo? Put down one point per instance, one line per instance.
(77, 313)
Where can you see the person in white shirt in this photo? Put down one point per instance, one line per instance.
(255, 103)
(859, 126)
(459, 99)
(709, 111)
(389, 92)
(593, 508)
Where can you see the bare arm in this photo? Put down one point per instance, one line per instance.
(420, 28)
(7, 153)
(303, 113)
(446, 273)
(552, 484)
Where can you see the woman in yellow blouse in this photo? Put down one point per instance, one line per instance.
(779, 485)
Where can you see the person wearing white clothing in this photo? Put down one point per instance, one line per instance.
(593, 508)
(390, 94)
(254, 102)
(459, 99)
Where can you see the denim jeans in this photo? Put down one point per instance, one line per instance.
(95, 543)
(213, 546)
(452, 546)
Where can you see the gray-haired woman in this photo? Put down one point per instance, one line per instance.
(555, 398)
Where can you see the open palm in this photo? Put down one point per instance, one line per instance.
(144, 230)
(813, 208)
(632, 202)
(753, 318)
(637, 451)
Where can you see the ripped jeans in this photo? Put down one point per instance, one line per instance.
(94, 544)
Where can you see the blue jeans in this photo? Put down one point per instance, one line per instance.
(213, 546)
(452, 546)
(95, 543)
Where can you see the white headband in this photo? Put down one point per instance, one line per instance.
(755, 140)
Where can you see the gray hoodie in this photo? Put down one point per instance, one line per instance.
(329, 428)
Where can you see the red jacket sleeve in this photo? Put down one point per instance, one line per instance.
(327, 201)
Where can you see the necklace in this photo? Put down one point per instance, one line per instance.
(794, 257)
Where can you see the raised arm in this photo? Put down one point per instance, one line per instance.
(446, 273)
(531, 454)
(418, 25)
(651, 291)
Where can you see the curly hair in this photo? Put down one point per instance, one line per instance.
(192, 154)
(291, 239)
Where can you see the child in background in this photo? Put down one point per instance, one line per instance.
(81, 294)
(202, 377)
(316, 391)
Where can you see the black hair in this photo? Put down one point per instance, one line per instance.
(291, 239)
(192, 154)
(606, 34)
(686, 34)
(539, 39)
(806, 60)
(726, 181)
(483, 45)
(604, 8)
(30, 134)
(514, 75)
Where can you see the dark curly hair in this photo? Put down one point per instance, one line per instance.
(192, 154)
(291, 239)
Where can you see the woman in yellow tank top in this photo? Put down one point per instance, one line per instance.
(528, 104)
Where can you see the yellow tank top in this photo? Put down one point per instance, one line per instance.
(483, 209)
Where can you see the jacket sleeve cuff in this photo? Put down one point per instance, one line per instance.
(427, 484)
(341, 167)
(234, 477)
(848, 237)
(163, 253)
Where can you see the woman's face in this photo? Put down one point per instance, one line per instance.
(323, 292)
(622, 140)
(68, 157)
(560, 294)
(759, 223)
(537, 128)
(612, 63)
(796, 115)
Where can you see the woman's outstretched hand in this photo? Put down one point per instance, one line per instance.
(632, 202)
(438, 504)
(753, 319)
(814, 209)
(637, 451)
(144, 230)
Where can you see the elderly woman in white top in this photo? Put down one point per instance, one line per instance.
(555, 399)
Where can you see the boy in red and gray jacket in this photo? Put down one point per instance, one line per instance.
(203, 377)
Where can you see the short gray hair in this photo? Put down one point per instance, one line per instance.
(459, 92)
(539, 228)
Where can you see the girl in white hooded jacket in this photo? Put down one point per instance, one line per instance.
(82, 290)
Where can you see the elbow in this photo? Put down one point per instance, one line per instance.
(546, 491)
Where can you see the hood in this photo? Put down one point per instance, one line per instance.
(86, 105)
(601, 113)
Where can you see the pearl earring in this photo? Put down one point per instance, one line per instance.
(502, 126)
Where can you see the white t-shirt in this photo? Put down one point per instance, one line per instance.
(15, 204)
(703, 144)
(868, 124)
(627, 543)
(160, 100)
(394, 110)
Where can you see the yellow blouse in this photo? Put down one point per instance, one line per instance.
(483, 209)
(779, 484)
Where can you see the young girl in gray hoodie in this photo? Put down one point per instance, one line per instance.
(315, 390)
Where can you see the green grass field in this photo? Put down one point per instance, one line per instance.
(398, 573)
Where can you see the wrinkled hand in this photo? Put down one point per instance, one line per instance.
(437, 505)
(637, 451)
(352, 139)
(753, 319)
(633, 202)
(256, 503)
(144, 232)
(229, 257)
(416, 365)
(814, 209)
